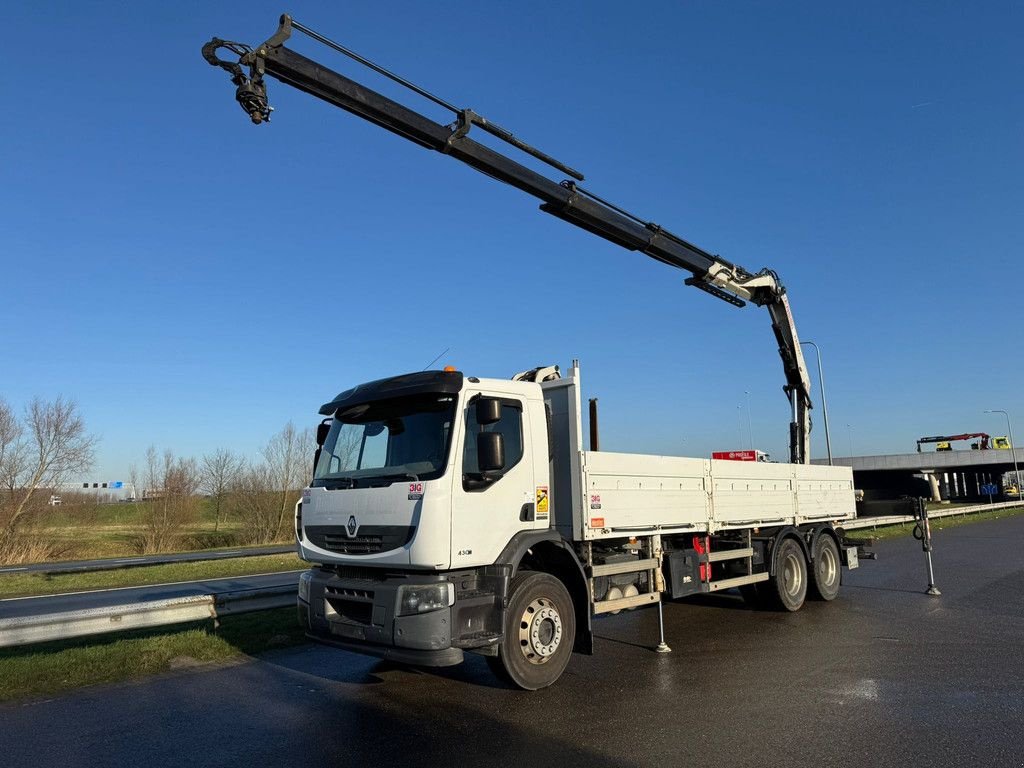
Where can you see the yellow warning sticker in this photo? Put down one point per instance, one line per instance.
(542, 501)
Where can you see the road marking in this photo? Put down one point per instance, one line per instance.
(12, 570)
(149, 586)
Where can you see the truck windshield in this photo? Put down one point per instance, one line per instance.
(404, 437)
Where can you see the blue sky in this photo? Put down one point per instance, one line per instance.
(194, 281)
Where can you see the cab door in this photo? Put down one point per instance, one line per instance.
(487, 513)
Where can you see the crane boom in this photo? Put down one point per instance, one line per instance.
(983, 444)
(566, 199)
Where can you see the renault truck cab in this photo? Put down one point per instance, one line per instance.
(423, 478)
(429, 470)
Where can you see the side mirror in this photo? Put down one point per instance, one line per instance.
(321, 437)
(488, 411)
(321, 432)
(490, 451)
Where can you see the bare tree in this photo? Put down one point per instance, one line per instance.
(220, 474)
(267, 491)
(133, 481)
(13, 454)
(255, 503)
(287, 460)
(171, 485)
(50, 445)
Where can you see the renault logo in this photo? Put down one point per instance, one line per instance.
(352, 526)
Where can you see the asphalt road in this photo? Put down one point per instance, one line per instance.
(110, 564)
(77, 601)
(885, 676)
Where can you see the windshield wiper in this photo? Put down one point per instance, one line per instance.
(377, 481)
(330, 483)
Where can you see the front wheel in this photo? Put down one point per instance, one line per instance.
(540, 630)
(825, 569)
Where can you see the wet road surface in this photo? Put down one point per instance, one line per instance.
(884, 676)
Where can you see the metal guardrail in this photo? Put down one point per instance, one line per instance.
(24, 630)
(883, 520)
(112, 564)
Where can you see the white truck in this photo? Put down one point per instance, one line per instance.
(449, 513)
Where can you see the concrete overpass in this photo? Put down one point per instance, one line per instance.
(939, 475)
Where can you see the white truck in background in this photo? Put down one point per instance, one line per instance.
(449, 513)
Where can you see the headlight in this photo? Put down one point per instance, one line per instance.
(425, 597)
(304, 579)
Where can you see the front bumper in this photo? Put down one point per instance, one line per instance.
(358, 614)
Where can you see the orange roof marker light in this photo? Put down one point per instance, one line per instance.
(449, 369)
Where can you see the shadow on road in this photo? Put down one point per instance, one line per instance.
(728, 601)
(357, 710)
(357, 669)
(885, 589)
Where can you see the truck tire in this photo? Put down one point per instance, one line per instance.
(540, 630)
(787, 588)
(825, 569)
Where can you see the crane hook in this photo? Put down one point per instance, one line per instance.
(250, 91)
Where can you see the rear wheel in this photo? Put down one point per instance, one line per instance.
(825, 569)
(787, 588)
(540, 629)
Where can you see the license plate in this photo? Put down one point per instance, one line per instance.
(851, 557)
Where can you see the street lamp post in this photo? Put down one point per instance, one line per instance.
(1013, 447)
(750, 429)
(824, 404)
(849, 436)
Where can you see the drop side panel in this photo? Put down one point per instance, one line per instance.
(633, 494)
(629, 494)
(825, 493)
(749, 493)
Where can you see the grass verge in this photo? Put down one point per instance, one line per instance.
(49, 668)
(24, 584)
(938, 506)
(868, 535)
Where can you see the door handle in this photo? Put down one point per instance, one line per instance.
(528, 513)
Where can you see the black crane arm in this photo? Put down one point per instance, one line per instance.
(567, 199)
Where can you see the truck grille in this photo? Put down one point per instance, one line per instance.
(369, 539)
(349, 605)
(349, 593)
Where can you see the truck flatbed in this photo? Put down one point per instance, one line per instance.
(632, 494)
(607, 495)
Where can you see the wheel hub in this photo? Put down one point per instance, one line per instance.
(540, 631)
(828, 568)
(792, 575)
